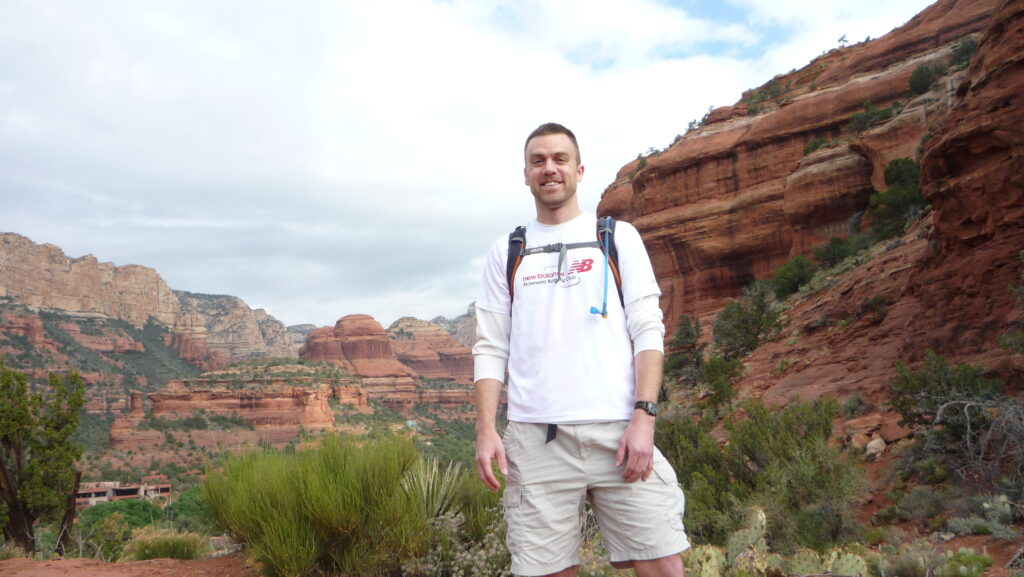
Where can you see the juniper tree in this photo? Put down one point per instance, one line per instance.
(38, 477)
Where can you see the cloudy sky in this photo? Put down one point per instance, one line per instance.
(325, 158)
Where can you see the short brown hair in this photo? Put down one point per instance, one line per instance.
(553, 128)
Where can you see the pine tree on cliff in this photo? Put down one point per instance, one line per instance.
(38, 478)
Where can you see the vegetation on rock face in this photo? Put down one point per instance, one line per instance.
(778, 460)
(132, 370)
(198, 420)
(839, 249)
(685, 353)
(964, 422)
(963, 52)
(1014, 340)
(38, 475)
(791, 276)
(871, 116)
(892, 209)
(921, 79)
(745, 323)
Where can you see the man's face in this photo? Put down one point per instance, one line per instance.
(552, 170)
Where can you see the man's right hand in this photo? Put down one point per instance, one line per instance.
(490, 448)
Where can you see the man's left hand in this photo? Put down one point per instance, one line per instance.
(636, 449)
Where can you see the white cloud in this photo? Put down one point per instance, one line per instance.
(327, 158)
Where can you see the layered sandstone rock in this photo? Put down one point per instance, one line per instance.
(298, 402)
(973, 170)
(27, 326)
(945, 286)
(209, 331)
(359, 343)
(42, 276)
(298, 334)
(229, 326)
(462, 327)
(730, 202)
(103, 341)
(279, 401)
(430, 350)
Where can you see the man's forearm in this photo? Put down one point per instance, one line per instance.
(487, 395)
(648, 367)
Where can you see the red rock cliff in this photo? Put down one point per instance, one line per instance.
(359, 343)
(945, 285)
(431, 351)
(209, 331)
(730, 202)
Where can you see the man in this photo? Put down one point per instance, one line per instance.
(581, 386)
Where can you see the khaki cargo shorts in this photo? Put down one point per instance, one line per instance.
(549, 482)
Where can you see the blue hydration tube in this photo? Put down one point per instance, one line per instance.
(604, 304)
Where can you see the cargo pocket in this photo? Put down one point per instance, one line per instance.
(675, 501)
(510, 501)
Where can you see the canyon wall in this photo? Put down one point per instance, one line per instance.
(729, 202)
(209, 331)
(732, 200)
(394, 363)
(431, 351)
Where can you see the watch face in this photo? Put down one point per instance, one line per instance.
(649, 407)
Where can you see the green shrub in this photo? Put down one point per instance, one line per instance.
(921, 79)
(891, 210)
(914, 559)
(102, 530)
(964, 419)
(963, 52)
(918, 396)
(815, 144)
(903, 172)
(719, 374)
(450, 553)
(981, 526)
(686, 353)
(838, 249)
(713, 497)
(159, 543)
(189, 511)
(855, 406)
(349, 506)
(779, 460)
(745, 323)
(871, 116)
(964, 563)
(791, 276)
(877, 306)
(11, 551)
(923, 503)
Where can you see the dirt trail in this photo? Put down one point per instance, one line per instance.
(229, 566)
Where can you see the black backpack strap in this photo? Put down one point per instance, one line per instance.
(608, 223)
(516, 248)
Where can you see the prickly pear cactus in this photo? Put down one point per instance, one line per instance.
(704, 561)
(848, 565)
(749, 563)
(751, 536)
(804, 562)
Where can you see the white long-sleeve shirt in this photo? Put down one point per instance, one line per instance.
(566, 364)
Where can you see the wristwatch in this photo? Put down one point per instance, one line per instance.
(649, 407)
